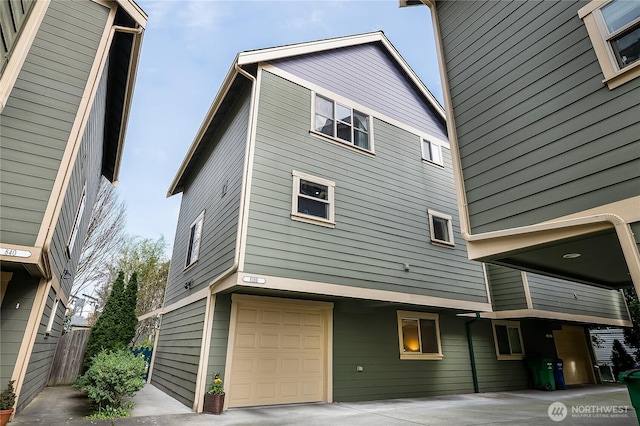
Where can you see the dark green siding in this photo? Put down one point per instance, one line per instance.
(177, 354)
(368, 337)
(219, 337)
(43, 352)
(540, 136)
(221, 166)
(13, 17)
(553, 294)
(381, 205)
(507, 288)
(16, 308)
(40, 111)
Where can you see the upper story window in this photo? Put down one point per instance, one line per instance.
(441, 226)
(508, 340)
(431, 152)
(313, 199)
(195, 235)
(419, 335)
(614, 30)
(342, 122)
(76, 222)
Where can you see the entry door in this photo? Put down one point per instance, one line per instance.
(571, 346)
(279, 351)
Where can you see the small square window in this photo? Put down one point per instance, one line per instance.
(195, 235)
(508, 340)
(431, 152)
(341, 122)
(313, 199)
(441, 228)
(614, 30)
(419, 335)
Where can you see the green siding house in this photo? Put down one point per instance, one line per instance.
(67, 73)
(318, 254)
(543, 103)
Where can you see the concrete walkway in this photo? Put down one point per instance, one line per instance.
(585, 405)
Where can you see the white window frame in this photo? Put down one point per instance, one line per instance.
(507, 324)
(71, 243)
(434, 214)
(614, 76)
(52, 317)
(194, 239)
(334, 138)
(295, 215)
(431, 150)
(417, 316)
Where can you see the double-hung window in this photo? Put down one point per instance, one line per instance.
(313, 199)
(508, 340)
(419, 335)
(195, 235)
(341, 122)
(76, 222)
(441, 228)
(431, 152)
(614, 30)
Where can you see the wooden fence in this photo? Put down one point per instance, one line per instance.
(67, 361)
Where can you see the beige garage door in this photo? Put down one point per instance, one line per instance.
(279, 351)
(571, 345)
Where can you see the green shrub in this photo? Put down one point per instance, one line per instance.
(8, 397)
(112, 376)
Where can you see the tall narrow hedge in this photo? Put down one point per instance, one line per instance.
(116, 326)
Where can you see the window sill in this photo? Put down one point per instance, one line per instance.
(433, 163)
(510, 357)
(444, 244)
(436, 357)
(313, 220)
(623, 76)
(342, 143)
(190, 266)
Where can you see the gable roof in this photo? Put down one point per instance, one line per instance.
(249, 60)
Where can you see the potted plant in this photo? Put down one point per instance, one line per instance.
(214, 398)
(7, 401)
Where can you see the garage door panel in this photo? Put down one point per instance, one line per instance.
(278, 355)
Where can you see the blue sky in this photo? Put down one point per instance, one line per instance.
(187, 50)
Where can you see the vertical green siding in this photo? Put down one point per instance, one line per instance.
(14, 315)
(540, 136)
(13, 17)
(368, 337)
(507, 288)
(43, 352)
(177, 354)
(219, 337)
(40, 111)
(554, 294)
(221, 165)
(635, 228)
(381, 205)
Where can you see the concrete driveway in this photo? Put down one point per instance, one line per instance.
(584, 405)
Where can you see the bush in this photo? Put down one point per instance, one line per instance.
(112, 376)
(621, 360)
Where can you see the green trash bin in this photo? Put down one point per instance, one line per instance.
(632, 379)
(541, 371)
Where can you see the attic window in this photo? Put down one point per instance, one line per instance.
(341, 122)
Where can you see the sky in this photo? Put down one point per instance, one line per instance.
(187, 50)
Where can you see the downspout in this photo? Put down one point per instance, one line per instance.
(472, 357)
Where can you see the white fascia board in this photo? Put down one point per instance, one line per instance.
(213, 109)
(274, 53)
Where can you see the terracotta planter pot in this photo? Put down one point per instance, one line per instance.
(5, 415)
(213, 403)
